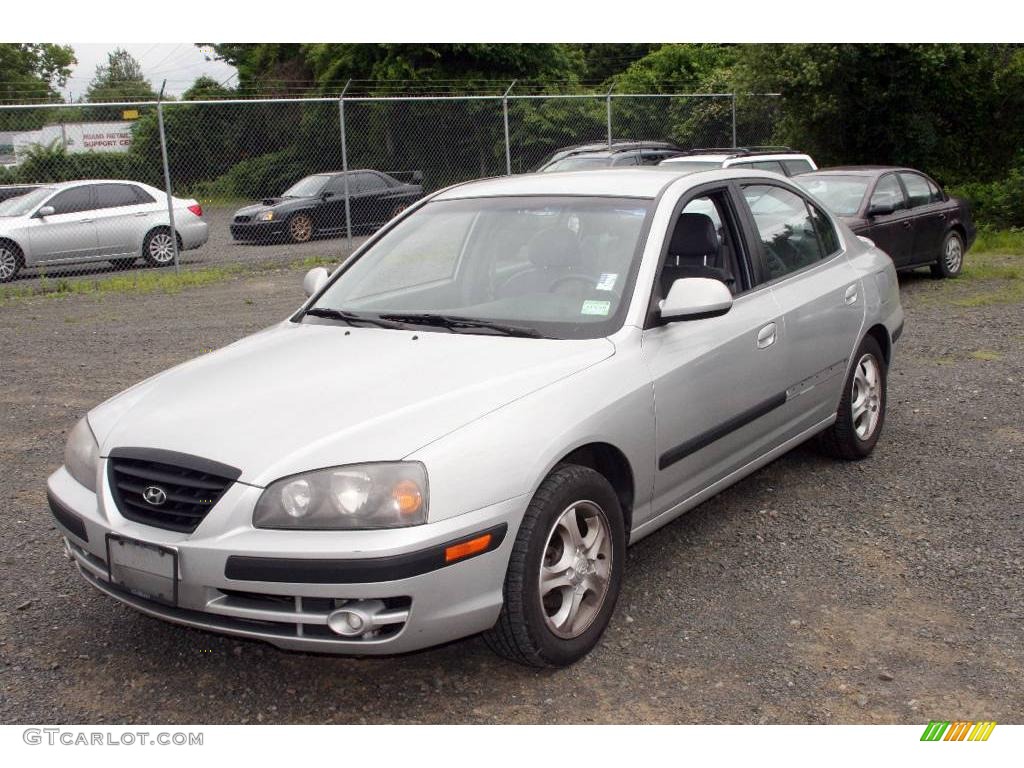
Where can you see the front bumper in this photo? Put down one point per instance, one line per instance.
(279, 586)
(258, 230)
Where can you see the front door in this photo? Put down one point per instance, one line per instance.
(892, 232)
(69, 233)
(718, 382)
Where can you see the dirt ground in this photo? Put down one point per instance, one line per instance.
(887, 591)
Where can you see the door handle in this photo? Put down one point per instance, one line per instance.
(142, 213)
(906, 223)
(85, 221)
(942, 217)
(851, 295)
(766, 336)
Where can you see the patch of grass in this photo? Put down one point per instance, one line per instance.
(986, 354)
(998, 241)
(945, 361)
(155, 281)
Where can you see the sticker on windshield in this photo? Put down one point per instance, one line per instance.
(591, 307)
(607, 281)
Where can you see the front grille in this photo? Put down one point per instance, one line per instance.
(241, 219)
(189, 487)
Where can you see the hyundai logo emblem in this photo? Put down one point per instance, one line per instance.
(154, 495)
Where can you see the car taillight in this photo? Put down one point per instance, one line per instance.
(197, 209)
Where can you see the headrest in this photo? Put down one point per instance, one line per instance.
(694, 237)
(554, 247)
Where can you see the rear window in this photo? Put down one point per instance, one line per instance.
(793, 167)
(578, 164)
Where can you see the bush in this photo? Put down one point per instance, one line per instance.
(52, 164)
(998, 204)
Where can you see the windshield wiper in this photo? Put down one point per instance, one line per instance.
(352, 318)
(452, 322)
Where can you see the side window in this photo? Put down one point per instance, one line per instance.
(114, 195)
(917, 189)
(373, 183)
(141, 195)
(629, 158)
(786, 229)
(704, 242)
(937, 196)
(767, 165)
(889, 192)
(793, 167)
(73, 200)
(826, 232)
(336, 185)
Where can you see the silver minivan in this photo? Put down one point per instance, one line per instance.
(468, 421)
(98, 220)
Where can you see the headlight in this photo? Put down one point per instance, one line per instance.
(82, 454)
(265, 216)
(358, 496)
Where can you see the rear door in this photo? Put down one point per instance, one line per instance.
(120, 214)
(818, 293)
(892, 232)
(69, 233)
(718, 382)
(928, 215)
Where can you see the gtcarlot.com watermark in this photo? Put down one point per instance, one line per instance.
(81, 737)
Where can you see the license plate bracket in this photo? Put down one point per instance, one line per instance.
(147, 570)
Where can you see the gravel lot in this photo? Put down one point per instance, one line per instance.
(219, 249)
(887, 591)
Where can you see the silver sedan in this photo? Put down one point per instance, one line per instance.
(469, 420)
(81, 221)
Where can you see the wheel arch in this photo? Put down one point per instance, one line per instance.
(10, 241)
(880, 334)
(610, 462)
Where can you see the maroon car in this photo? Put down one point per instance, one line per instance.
(903, 211)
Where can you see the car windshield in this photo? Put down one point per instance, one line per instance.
(311, 186)
(559, 267)
(23, 204)
(843, 194)
(578, 163)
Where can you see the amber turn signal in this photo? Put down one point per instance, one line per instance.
(408, 497)
(467, 548)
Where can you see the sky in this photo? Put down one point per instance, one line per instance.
(179, 63)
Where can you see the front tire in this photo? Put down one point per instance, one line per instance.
(300, 228)
(861, 413)
(565, 571)
(158, 248)
(11, 262)
(951, 260)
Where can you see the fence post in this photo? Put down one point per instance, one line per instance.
(734, 120)
(608, 99)
(508, 146)
(344, 164)
(167, 174)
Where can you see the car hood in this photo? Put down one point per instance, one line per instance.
(275, 203)
(304, 396)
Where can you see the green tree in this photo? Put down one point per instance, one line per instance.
(31, 72)
(120, 79)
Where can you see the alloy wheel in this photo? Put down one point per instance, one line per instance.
(576, 569)
(8, 263)
(300, 228)
(161, 248)
(866, 397)
(954, 255)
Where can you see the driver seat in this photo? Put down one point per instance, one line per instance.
(554, 253)
(693, 251)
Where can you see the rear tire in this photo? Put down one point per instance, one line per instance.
(861, 411)
(11, 262)
(158, 248)
(565, 571)
(951, 259)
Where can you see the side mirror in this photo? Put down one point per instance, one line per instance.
(46, 210)
(694, 298)
(314, 280)
(881, 209)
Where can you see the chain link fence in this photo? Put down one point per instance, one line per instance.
(292, 180)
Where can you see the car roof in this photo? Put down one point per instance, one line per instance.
(635, 181)
(859, 170)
